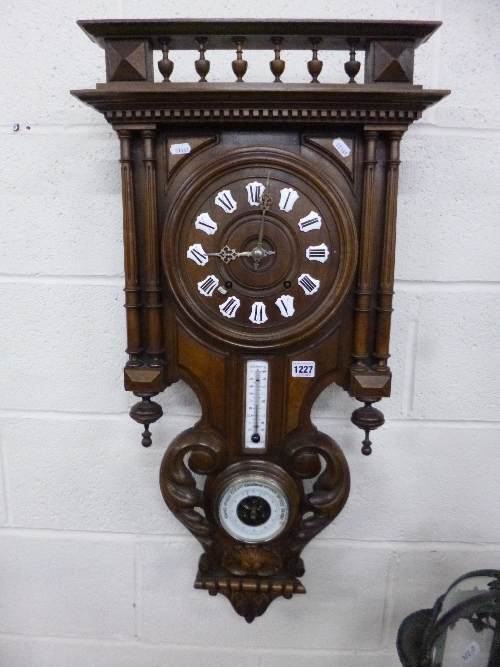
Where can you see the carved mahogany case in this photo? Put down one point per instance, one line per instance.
(259, 236)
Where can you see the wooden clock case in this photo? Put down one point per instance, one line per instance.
(236, 133)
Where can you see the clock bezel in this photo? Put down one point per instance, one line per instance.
(251, 469)
(182, 207)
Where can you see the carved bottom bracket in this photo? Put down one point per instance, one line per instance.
(254, 517)
(249, 597)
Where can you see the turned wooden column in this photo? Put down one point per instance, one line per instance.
(154, 336)
(132, 288)
(386, 283)
(364, 288)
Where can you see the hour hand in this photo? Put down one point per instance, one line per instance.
(227, 254)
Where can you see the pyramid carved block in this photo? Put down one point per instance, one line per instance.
(129, 60)
(389, 62)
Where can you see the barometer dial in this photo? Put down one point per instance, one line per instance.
(253, 509)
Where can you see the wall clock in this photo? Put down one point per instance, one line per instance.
(259, 236)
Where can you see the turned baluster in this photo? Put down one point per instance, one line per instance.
(364, 289)
(165, 65)
(147, 411)
(368, 419)
(386, 284)
(239, 65)
(352, 65)
(152, 274)
(202, 65)
(277, 65)
(132, 287)
(315, 66)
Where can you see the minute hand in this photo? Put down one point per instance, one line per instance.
(264, 205)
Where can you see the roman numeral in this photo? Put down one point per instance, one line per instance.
(208, 285)
(206, 224)
(308, 223)
(308, 283)
(255, 191)
(229, 307)
(197, 254)
(225, 200)
(258, 314)
(317, 253)
(285, 304)
(287, 199)
(311, 221)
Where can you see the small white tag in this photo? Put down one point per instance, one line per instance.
(341, 146)
(303, 369)
(222, 290)
(180, 149)
(470, 653)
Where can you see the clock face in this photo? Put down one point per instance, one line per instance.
(259, 250)
(253, 509)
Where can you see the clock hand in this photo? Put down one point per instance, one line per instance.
(227, 254)
(265, 202)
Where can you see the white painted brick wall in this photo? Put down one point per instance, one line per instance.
(94, 571)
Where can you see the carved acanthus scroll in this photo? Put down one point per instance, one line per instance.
(305, 454)
(205, 455)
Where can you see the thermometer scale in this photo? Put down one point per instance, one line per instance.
(256, 399)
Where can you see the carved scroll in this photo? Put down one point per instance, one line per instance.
(304, 452)
(206, 452)
(251, 576)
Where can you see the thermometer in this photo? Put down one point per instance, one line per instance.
(256, 399)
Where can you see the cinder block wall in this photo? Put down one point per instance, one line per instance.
(94, 571)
